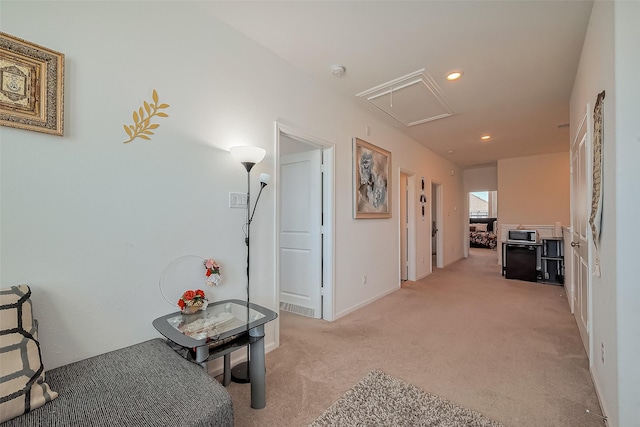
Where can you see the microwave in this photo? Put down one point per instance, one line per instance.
(525, 236)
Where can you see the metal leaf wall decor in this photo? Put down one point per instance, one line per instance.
(141, 127)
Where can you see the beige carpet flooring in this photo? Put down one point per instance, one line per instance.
(505, 348)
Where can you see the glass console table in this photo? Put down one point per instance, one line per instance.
(225, 326)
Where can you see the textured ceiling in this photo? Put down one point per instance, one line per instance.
(519, 60)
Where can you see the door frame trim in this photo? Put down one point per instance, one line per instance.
(585, 122)
(411, 219)
(328, 209)
(439, 225)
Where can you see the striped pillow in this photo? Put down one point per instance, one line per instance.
(22, 386)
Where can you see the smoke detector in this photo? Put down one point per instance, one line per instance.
(338, 70)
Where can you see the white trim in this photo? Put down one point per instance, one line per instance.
(411, 218)
(328, 255)
(420, 76)
(439, 196)
(365, 302)
(328, 156)
(589, 235)
(422, 276)
(584, 130)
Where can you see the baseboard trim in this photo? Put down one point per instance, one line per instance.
(422, 276)
(602, 406)
(365, 302)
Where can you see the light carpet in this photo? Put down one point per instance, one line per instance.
(382, 400)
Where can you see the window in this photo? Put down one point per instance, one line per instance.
(483, 204)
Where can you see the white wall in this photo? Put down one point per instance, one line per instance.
(627, 147)
(534, 190)
(481, 179)
(90, 222)
(609, 62)
(595, 74)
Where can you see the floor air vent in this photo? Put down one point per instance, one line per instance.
(297, 309)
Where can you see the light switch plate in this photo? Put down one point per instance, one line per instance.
(238, 200)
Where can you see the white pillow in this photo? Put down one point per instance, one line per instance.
(481, 227)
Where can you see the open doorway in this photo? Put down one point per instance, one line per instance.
(304, 224)
(483, 221)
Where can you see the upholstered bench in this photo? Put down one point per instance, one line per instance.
(147, 384)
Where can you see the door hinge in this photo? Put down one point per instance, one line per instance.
(322, 229)
(322, 291)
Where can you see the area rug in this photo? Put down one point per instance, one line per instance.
(382, 400)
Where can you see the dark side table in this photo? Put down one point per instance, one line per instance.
(225, 326)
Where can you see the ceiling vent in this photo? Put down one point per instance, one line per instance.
(411, 100)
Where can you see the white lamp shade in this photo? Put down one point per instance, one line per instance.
(265, 178)
(247, 154)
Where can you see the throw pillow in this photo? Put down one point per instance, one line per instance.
(481, 227)
(22, 384)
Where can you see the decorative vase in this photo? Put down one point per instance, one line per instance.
(214, 279)
(191, 309)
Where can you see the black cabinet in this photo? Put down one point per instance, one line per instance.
(534, 262)
(521, 262)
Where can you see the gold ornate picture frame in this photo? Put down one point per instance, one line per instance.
(371, 181)
(31, 86)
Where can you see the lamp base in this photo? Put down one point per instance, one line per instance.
(240, 373)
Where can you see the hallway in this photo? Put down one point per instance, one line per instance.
(506, 348)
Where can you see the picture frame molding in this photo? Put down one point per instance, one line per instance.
(31, 86)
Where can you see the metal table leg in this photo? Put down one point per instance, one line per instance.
(226, 379)
(257, 368)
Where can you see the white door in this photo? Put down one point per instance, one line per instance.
(404, 227)
(579, 237)
(301, 233)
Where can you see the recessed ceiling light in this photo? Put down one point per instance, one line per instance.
(485, 137)
(451, 151)
(454, 75)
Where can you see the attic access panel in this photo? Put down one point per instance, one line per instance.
(412, 99)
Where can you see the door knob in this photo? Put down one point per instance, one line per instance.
(575, 245)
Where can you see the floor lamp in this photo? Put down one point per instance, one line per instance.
(249, 157)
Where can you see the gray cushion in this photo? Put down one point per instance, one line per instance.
(147, 384)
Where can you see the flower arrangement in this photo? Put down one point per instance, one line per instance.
(212, 272)
(192, 301)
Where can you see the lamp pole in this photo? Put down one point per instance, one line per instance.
(249, 157)
(240, 372)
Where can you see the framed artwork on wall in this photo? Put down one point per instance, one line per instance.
(31, 86)
(595, 218)
(371, 181)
